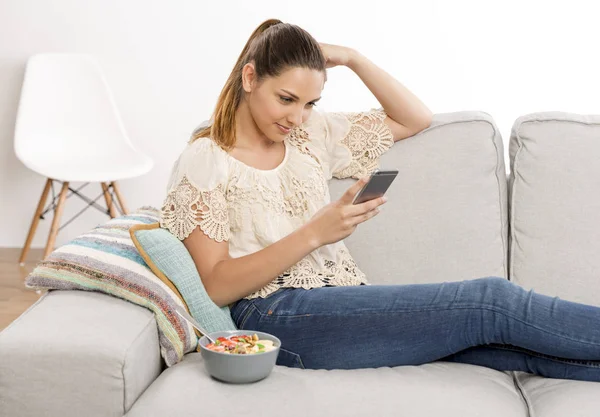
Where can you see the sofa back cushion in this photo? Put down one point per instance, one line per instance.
(554, 191)
(446, 217)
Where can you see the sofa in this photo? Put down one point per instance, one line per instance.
(453, 214)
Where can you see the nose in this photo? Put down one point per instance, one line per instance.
(295, 119)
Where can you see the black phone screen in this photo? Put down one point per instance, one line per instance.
(378, 184)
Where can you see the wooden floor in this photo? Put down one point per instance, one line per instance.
(14, 297)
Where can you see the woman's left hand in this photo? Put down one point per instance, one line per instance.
(335, 54)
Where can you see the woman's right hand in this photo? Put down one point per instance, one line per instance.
(338, 219)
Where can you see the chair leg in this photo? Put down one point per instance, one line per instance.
(109, 203)
(35, 221)
(56, 220)
(120, 198)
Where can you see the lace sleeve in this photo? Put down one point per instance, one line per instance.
(196, 196)
(356, 141)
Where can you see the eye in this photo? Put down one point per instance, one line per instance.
(291, 100)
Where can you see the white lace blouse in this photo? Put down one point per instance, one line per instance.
(252, 208)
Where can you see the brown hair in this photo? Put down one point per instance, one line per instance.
(274, 47)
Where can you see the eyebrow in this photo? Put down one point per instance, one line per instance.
(296, 97)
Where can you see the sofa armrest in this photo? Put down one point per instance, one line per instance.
(78, 353)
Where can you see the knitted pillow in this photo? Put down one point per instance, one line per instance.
(170, 260)
(106, 260)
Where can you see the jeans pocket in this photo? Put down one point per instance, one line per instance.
(289, 359)
(266, 306)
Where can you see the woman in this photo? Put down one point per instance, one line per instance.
(249, 199)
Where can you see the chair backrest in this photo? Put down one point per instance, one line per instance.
(66, 106)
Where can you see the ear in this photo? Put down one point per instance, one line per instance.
(249, 77)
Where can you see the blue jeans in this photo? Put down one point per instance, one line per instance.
(487, 321)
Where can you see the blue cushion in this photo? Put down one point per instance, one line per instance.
(170, 260)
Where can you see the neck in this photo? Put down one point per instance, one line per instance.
(248, 135)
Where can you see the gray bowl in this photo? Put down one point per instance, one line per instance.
(239, 369)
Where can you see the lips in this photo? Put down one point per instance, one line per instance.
(283, 128)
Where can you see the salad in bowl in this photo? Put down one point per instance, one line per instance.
(241, 345)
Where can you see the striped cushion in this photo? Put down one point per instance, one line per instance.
(106, 260)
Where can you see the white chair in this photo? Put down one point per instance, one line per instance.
(68, 129)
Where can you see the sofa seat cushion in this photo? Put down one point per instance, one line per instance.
(435, 389)
(548, 397)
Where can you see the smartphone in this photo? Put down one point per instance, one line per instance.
(377, 185)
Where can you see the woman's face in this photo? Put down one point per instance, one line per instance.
(286, 101)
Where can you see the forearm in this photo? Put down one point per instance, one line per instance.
(235, 278)
(398, 102)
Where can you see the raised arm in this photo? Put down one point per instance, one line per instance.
(407, 115)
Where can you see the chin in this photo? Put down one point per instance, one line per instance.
(273, 134)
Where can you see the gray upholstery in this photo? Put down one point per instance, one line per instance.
(446, 217)
(85, 354)
(77, 353)
(555, 194)
(547, 397)
(436, 389)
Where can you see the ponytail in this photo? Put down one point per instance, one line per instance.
(223, 127)
(273, 46)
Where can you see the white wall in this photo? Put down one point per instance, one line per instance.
(167, 61)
